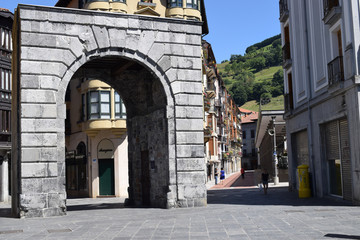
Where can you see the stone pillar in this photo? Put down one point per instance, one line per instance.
(4, 180)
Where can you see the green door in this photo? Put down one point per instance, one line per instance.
(106, 176)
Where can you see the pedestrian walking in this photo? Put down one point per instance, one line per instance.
(242, 173)
(216, 176)
(265, 180)
(222, 175)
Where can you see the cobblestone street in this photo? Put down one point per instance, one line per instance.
(235, 210)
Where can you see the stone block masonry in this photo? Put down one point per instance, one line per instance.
(164, 103)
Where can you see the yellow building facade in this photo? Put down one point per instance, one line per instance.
(184, 9)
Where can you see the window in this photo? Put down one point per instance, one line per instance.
(98, 105)
(192, 4)
(244, 134)
(5, 121)
(5, 84)
(120, 110)
(252, 133)
(175, 3)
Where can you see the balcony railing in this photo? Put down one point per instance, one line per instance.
(284, 10)
(332, 11)
(336, 71)
(286, 54)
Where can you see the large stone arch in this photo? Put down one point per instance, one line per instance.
(51, 47)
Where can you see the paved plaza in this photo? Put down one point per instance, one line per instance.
(236, 210)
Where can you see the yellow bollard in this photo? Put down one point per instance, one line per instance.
(304, 183)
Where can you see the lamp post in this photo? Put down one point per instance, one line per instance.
(276, 178)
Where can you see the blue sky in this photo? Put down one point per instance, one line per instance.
(234, 24)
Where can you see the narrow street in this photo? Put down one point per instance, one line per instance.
(236, 210)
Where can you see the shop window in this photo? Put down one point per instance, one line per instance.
(175, 3)
(120, 110)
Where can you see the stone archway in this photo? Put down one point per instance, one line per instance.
(51, 46)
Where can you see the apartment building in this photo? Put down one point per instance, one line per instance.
(6, 22)
(321, 42)
(248, 126)
(222, 130)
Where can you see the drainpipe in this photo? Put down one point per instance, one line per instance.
(310, 118)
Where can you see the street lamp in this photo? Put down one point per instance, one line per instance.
(272, 132)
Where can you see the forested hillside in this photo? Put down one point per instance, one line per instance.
(256, 75)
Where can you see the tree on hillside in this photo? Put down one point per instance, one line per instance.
(257, 63)
(278, 84)
(238, 92)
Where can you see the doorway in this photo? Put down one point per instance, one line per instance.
(106, 177)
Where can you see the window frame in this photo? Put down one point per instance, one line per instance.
(194, 4)
(121, 114)
(98, 114)
(175, 3)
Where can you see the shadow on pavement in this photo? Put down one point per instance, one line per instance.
(82, 207)
(341, 236)
(5, 213)
(275, 196)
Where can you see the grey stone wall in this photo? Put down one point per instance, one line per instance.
(52, 44)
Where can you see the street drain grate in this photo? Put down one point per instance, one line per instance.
(11, 231)
(294, 211)
(59, 230)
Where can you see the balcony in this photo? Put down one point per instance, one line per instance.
(211, 90)
(286, 55)
(336, 71)
(332, 11)
(207, 134)
(284, 10)
(93, 127)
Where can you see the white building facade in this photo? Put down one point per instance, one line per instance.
(321, 40)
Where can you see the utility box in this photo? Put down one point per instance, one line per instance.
(304, 183)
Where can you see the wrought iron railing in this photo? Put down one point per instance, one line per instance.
(336, 70)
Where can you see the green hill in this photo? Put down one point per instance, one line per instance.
(256, 75)
(276, 103)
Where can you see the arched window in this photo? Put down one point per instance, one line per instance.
(81, 149)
